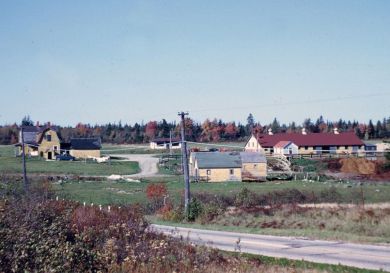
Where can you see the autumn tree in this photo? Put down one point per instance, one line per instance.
(151, 129)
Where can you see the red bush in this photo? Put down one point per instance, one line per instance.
(156, 191)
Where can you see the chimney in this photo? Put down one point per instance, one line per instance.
(304, 131)
(270, 132)
(336, 131)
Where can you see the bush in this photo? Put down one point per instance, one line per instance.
(156, 191)
(195, 208)
(245, 198)
(210, 212)
(156, 194)
(330, 195)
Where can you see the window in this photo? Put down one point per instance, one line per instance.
(208, 172)
(231, 171)
(346, 147)
(55, 148)
(48, 137)
(255, 166)
(253, 144)
(306, 147)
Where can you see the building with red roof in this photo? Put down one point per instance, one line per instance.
(308, 143)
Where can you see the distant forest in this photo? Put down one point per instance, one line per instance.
(209, 131)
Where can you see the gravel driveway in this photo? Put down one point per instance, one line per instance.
(147, 163)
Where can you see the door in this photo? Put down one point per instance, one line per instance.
(49, 155)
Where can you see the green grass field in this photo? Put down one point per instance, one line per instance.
(107, 192)
(37, 165)
(9, 164)
(144, 148)
(7, 151)
(131, 149)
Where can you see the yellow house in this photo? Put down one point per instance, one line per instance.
(49, 144)
(254, 166)
(215, 166)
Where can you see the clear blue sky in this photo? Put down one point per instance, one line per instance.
(105, 61)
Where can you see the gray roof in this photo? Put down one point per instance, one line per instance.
(85, 143)
(213, 160)
(252, 157)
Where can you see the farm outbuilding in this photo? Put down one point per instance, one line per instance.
(216, 166)
(85, 147)
(228, 166)
(254, 166)
(165, 143)
(286, 148)
(309, 143)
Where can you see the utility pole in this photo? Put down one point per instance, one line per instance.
(185, 164)
(24, 163)
(170, 142)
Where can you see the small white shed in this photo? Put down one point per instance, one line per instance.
(286, 148)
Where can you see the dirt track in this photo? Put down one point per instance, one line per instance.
(147, 163)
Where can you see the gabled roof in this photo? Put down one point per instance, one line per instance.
(30, 134)
(217, 160)
(44, 130)
(283, 144)
(85, 143)
(311, 139)
(252, 157)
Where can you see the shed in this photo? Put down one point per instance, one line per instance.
(216, 166)
(85, 147)
(254, 166)
(285, 148)
(165, 143)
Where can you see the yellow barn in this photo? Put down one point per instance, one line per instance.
(215, 166)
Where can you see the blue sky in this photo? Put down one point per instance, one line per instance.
(108, 61)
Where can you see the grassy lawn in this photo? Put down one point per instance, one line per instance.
(107, 192)
(7, 151)
(37, 165)
(171, 167)
(131, 149)
(144, 148)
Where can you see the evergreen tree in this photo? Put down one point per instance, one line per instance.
(26, 121)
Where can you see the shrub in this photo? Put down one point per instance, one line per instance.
(195, 208)
(245, 198)
(155, 191)
(330, 195)
(210, 212)
(156, 194)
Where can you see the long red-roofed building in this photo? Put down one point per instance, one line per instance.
(308, 143)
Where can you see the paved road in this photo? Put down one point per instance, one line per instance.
(147, 163)
(357, 255)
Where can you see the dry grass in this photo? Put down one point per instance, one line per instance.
(368, 222)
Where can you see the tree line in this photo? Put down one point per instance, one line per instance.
(210, 130)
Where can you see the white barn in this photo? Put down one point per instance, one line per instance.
(165, 143)
(286, 148)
